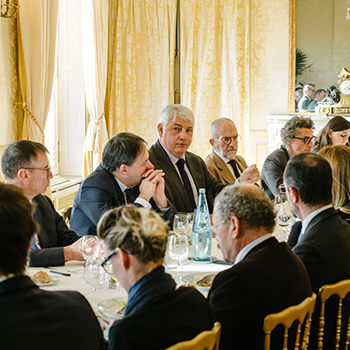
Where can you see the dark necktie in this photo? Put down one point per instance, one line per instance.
(186, 181)
(128, 196)
(232, 162)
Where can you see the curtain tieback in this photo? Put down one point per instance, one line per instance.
(24, 106)
(94, 141)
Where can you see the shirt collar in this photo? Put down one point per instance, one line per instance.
(226, 160)
(242, 254)
(121, 185)
(308, 219)
(172, 157)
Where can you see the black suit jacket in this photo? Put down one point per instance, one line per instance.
(174, 188)
(269, 279)
(325, 251)
(98, 193)
(34, 319)
(53, 236)
(272, 171)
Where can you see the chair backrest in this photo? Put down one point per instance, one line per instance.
(207, 340)
(302, 313)
(66, 214)
(341, 289)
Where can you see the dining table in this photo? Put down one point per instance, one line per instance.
(71, 277)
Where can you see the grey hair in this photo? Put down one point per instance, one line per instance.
(290, 127)
(248, 203)
(214, 126)
(308, 87)
(137, 231)
(172, 111)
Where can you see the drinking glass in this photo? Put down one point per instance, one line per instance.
(190, 219)
(90, 247)
(180, 223)
(93, 274)
(178, 250)
(284, 214)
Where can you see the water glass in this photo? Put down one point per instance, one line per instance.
(90, 247)
(180, 223)
(178, 250)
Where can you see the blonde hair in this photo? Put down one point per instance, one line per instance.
(137, 231)
(339, 159)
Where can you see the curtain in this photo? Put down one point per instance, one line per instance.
(37, 34)
(140, 80)
(215, 65)
(95, 47)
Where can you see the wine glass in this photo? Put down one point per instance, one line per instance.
(180, 223)
(284, 214)
(190, 219)
(178, 250)
(90, 247)
(93, 274)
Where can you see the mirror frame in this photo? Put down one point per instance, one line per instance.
(292, 58)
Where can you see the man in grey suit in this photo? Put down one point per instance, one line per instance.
(223, 162)
(322, 238)
(25, 164)
(309, 96)
(184, 171)
(297, 137)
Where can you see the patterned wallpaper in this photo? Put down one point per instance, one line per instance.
(8, 81)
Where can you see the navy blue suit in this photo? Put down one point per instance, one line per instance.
(98, 193)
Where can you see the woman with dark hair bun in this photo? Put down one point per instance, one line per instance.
(335, 132)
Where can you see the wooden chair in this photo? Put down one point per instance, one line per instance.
(66, 214)
(301, 313)
(207, 340)
(341, 289)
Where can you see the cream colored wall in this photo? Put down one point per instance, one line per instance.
(325, 37)
(8, 81)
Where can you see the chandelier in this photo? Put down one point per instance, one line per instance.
(9, 8)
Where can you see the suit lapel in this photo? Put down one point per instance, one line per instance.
(318, 218)
(225, 172)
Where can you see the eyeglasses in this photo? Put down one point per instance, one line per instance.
(47, 169)
(214, 228)
(306, 139)
(107, 266)
(227, 140)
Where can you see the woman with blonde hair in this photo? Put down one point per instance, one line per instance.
(339, 159)
(335, 132)
(157, 315)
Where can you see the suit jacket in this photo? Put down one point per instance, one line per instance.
(98, 193)
(174, 188)
(269, 279)
(162, 322)
(325, 250)
(272, 171)
(304, 103)
(53, 236)
(34, 319)
(219, 169)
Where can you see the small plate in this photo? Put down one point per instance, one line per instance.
(212, 259)
(54, 281)
(193, 278)
(109, 308)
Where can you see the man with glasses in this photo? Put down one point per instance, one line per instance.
(309, 96)
(223, 162)
(25, 164)
(266, 276)
(185, 172)
(297, 137)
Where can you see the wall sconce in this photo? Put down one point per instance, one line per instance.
(9, 8)
(348, 13)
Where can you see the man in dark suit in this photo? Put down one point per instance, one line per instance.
(309, 96)
(25, 164)
(297, 137)
(223, 162)
(125, 176)
(185, 172)
(32, 318)
(322, 240)
(266, 276)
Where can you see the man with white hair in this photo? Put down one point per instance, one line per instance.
(184, 171)
(223, 162)
(309, 96)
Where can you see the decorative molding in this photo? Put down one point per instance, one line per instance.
(262, 150)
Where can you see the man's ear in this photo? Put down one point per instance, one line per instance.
(294, 195)
(235, 227)
(123, 169)
(22, 174)
(212, 142)
(160, 129)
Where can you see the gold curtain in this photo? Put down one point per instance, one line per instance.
(215, 60)
(95, 46)
(37, 21)
(140, 65)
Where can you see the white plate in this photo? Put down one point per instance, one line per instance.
(193, 278)
(108, 308)
(212, 259)
(54, 281)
